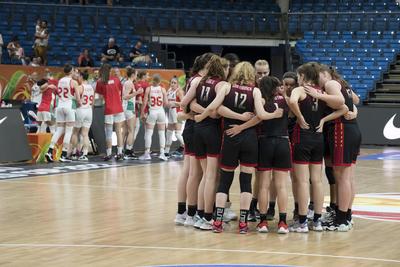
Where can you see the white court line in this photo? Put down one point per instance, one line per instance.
(196, 249)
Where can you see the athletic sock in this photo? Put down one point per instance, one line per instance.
(119, 149)
(208, 216)
(341, 217)
(349, 215)
(311, 205)
(282, 217)
(271, 205)
(296, 208)
(192, 210)
(332, 206)
(181, 207)
(253, 204)
(200, 213)
(219, 214)
(302, 218)
(316, 217)
(108, 152)
(263, 217)
(243, 216)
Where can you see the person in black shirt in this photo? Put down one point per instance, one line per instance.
(136, 55)
(85, 60)
(111, 52)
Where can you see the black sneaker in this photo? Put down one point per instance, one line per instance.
(65, 159)
(168, 155)
(108, 158)
(119, 157)
(180, 149)
(49, 157)
(270, 214)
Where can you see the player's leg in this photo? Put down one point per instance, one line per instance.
(161, 120)
(181, 214)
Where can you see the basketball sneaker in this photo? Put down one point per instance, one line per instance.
(329, 215)
(83, 158)
(217, 227)
(74, 157)
(329, 225)
(180, 219)
(145, 156)
(65, 159)
(189, 221)
(243, 228)
(298, 227)
(262, 227)
(163, 157)
(207, 225)
(198, 222)
(341, 227)
(49, 157)
(108, 158)
(229, 214)
(317, 226)
(283, 228)
(350, 224)
(310, 214)
(119, 157)
(295, 215)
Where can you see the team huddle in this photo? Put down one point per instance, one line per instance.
(239, 116)
(69, 102)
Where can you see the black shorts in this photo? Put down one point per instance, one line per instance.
(274, 153)
(242, 148)
(207, 140)
(327, 151)
(188, 138)
(308, 148)
(344, 143)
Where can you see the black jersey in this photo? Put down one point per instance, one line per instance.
(205, 94)
(313, 111)
(279, 126)
(240, 100)
(189, 123)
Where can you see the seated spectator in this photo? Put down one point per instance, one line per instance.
(15, 51)
(136, 55)
(85, 60)
(111, 52)
(36, 62)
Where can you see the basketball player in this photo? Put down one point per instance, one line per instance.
(344, 144)
(289, 82)
(65, 113)
(128, 102)
(238, 106)
(156, 97)
(174, 95)
(140, 84)
(84, 115)
(195, 196)
(47, 89)
(308, 142)
(207, 133)
(110, 88)
(274, 158)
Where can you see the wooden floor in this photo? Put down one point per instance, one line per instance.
(124, 217)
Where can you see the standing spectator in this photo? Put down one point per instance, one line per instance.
(85, 60)
(136, 55)
(111, 52)
(15, 51)
(1, 46)
(42, 42)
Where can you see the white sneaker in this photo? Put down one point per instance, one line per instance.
(283, 228)
(299, 228)
(65, 159)
(229, 214)
(180, 219)
(310, 214)
(262, 227)
(198, 222)
(342, 228)
(163, 157)
(49, 157)
(145, 156)
(207, 225)
(83, 158)
(74, 157)
(317, 226)
(189, 221)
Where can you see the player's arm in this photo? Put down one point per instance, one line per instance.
(334, 115)
(182, 116)
(222, 89)
(75, 87)
(128, 91)
(164, 92)
(44, 88)
(196, 107)
(259, 106)
(333, 96)
(237, 129)
(145, 101)
(356, 99)
(180, 94)
(230, 114)
(351, 115)
(191, 93)
(295, 96)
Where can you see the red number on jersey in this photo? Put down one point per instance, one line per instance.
(156, 101)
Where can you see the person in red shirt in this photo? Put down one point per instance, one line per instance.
(110, 88)
(141, 84)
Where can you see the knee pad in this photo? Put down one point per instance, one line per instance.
(225, 181)
(109, 131)
(245, 182)
(330, 176)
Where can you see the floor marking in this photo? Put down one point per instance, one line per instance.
(195, 249)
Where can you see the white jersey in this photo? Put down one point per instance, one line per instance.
(129, 104)
(156, 98)
(36, 94)
(87, 98)
(66, 94)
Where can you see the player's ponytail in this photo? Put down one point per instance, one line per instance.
(104, 73)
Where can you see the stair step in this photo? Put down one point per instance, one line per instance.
(383, 104)
(383, 90)
(391, 81)
(388, 86)
(394, 97)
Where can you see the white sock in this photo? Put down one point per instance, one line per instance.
(178, 135)
(161, 136)
(74, 151)
(137, 128)
(43, 127)
(147, 139)
(56, 136)
(109, 150)
(67, 137)
(119, 149)
(169, 140)
(52, 129)
(85, 151)
(129, 147)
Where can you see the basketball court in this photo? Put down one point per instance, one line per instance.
(111, 214)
